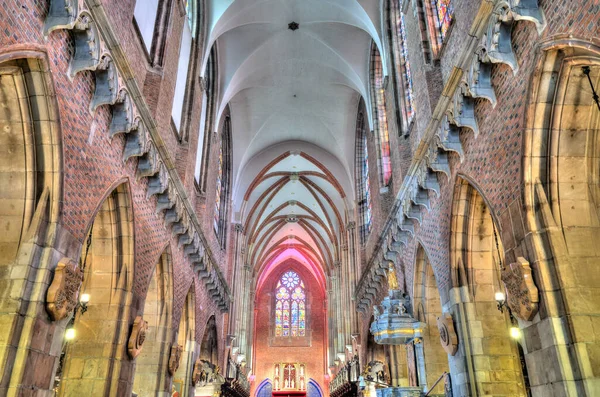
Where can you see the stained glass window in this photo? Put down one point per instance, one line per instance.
(217, 215)
(403, 70)
(445, 13)
(440, 14)
(385, 162)
(190, 10)
(290, 306)
(362, 177)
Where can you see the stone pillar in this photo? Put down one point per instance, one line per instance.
(398, 366)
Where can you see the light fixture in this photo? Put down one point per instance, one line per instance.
(500, 299)
(515, 332)
(586, 70)
(70, 333)
(82, 305)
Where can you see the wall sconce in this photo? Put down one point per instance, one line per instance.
(70, 333)
(515, 332)
(82, 305)
(500, 299)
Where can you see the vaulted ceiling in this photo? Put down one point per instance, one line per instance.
(293, 96)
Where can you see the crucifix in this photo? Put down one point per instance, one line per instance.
(289, 376)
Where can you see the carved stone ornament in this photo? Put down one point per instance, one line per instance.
(522, 295)
(63, 294)
(448, 336)
(175, 358)
(137, 337)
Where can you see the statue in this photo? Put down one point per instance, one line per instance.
(392, 279)
(376, 312)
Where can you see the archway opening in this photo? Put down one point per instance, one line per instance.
(92, 360)
(432, 359)
(151, 364)
(186, 338)
(478, 255)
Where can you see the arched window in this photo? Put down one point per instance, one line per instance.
(440, 14)
(185, 54)
(381, 124)
(290, 306)
(206, 120)
(362, 176)
(222, 186)
(145, 14)
(403, 72)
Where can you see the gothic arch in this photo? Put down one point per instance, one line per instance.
(209, 350)
(30, 210)
(562, 192)
(186, 338)
(432, 359)
(151, 365)
(476, 263)
(101, 333)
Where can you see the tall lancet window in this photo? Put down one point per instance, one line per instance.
(362, 177)
(220, 216)
(378, 98)
(440, 14)
(290, 306)
(405, 82)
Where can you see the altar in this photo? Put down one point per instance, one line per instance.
(289, 393)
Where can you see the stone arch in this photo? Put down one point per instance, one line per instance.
(30, 155)
(209, 349)
(93, 361)
(313, 389)
(264, 389)
(432, 359)
(476, 263)
(186, 338)
(151, 365)
(31, 164)
(562, 201)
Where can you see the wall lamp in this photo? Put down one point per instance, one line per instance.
(500, 299)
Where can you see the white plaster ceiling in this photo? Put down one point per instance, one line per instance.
(294, 90)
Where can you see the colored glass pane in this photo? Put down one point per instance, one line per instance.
(445, 13)
(385, 160)
(368, 214)
(290, 306)
(403, 68)
(217, 215)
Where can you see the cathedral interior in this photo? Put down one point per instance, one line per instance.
(299, 198)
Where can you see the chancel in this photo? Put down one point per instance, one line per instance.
(299, 198)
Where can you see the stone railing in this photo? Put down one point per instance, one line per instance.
(489, 42)
(97, 49)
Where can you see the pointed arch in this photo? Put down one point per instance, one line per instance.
(151, 365)
(107, 263)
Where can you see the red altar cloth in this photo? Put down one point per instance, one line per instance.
(289, 393)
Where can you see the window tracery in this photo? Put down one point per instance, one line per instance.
(290, 306)
(378, 94)
(362, 177)
(403, 69)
